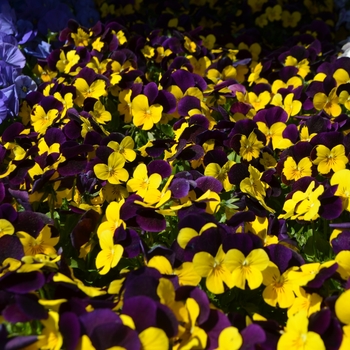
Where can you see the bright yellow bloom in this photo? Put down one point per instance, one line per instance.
(303, 65)
(327, 160)
(110, 254)
(124, 107)
(294, 171)
(144, 114)
(310, 303)
(95, 90)
(99, 114)
(66, 63)
(43, 244)
(214, 269)
(279, 288)
(274, 133)
(113, 220)
(341, 178)
(250, 147)
(114, 172)
(247, 269)
(42, 120)
(297, 336)
(330, 103)
(220, 173)
(81, 38)
(153, 338)
(144, 186)
(125, 148)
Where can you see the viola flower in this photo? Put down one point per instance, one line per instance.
(279, 288)
(215, 269)
(292, 107)
(153, 338)
(330, 103)
(187, 233)
(190, 334)
(341, 309)
(43, 244)
(125, 148)
(84, 90)
(303, 65)
(113, 220)
(310, 303)
(297, 337)
(66, 62)
(114, 172)
(294, 171)
(145, 186)
(341, 178)
(247, 268)
(99, 114)
(220, 173)
(186, 273)
(144, 114)
(290, 19)
(124, 107)
(273, 13)
(327, 160)
(250, 147)
(41, 119)
(110, 254)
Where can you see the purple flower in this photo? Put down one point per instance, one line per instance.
(12, 55)
(7, 18)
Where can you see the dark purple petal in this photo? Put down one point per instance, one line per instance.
(183, 79)
(12, 131)
(32, 222)
(253, 336)
(150, 221)
(245, 242)
(324, 274)
(70, 328)
(11, 247)
(160, 167)
(97, 317)
(206, 183)
(167, 100)
(179, 187)
(22, 283)
(187, 103)
(341, 242)
(73, 166)
(151, 91)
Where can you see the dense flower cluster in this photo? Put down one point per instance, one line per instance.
(176, 177)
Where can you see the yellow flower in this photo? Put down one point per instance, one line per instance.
(114, 172)
(341, 178)
(274, 13)
(95, 90)
(216, 271)
(330, 103)
(110, 254)
(303, 65)
(247, 269)
(294, 171)
(297, 336)
(66, 63)
(327, 160)
(290, 19)
(144, 186)
(250, 147)
(220, 173)
(42, 120)
(144, 114)
(99, 114)
(279, 288)
(229, 339)
(43, 244)
(125, 148)
(153, 338)
(81, 38)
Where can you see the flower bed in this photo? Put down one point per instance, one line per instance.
(174, 175)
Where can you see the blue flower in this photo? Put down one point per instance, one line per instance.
(24, 85)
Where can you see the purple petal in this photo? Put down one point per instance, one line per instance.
(151, 91)
(70, 328)
(97, 317)
(253, 336)
(179, 187)
(183, 79)
(22, 283)
(187, 103)
(206, 183)
(160, 167)
(73, 166)
(11, 247)
(150, 221)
